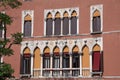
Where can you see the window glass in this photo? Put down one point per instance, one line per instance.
(49, 26)
(65, 26)
(27, 28)
(96, 24)
(74, 25)
(57, 28)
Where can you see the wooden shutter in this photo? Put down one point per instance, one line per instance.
(96, 61)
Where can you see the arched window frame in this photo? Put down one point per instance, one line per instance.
(75, 61)
(46, 61)
(66, 21)
(97, 60)
(74, 23)
(93, 8)
(61, 11)
(49, 25)
(26, 62)
(31, 14)
(57, 24)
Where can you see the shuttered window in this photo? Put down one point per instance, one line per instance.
(96, 61)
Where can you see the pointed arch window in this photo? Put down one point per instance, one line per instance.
(74, 23)
(65, 24)
(46, 58)
(57, 25)
(49, 24)
(56, 58)
(96, 59)
(56, 61)
(75, 61)
(27, 26)
(26, 62)
(66, 57)
(46, 62)
(66, 61)
(96, 22)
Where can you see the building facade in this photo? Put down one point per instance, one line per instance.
(77, 39)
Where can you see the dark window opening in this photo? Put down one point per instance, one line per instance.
(74, 25)
(57, 27)
(27, 28)
(96, 24)
(66, 61)
(49, 26)
(26, 64)
(56, 60)
(75, 60)
(46, 60)
(65, 26)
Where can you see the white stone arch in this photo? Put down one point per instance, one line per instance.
(31, 13)
(98, 7)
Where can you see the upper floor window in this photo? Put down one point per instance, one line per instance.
(96, 19)
(27, 26)
(27, 23)
(49, 24)
(61, 22)
(65, 23)
(74, 23)
(57, 25)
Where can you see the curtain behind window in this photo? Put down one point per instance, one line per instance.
(65, 25)
(96, 24)
(57, 29)
(75, 60)
(74, 25)
(49, 26)
(27, 28)
(26, 64)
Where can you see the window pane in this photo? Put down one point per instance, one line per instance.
(96, 24)
(27, 28)
(74, 25)
(66, 60)
(75, 60)
(56, 61)
(26, 64)
(65, 26)
(49, 27)
(46, 61)
(57, 26)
